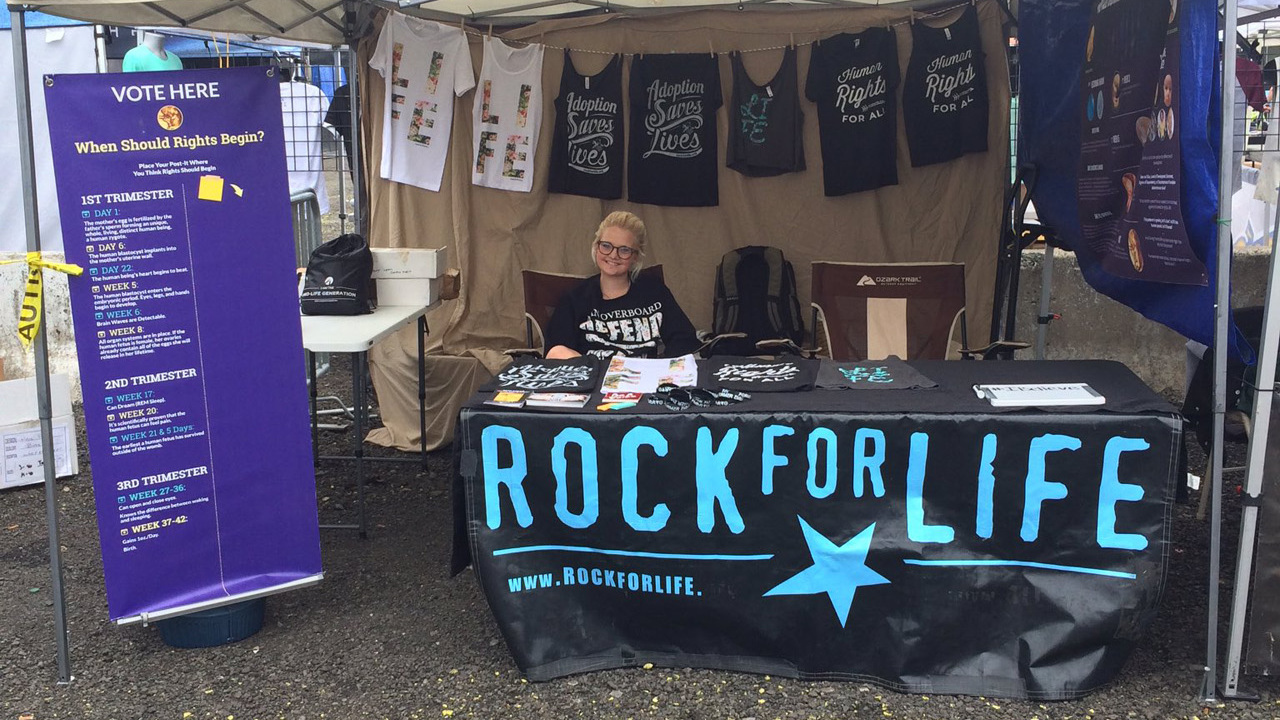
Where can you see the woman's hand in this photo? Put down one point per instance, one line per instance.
(562, 352)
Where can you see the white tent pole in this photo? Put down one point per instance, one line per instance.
(1262, 404)
(1046, 294)
(1226, 159)
(32, 217)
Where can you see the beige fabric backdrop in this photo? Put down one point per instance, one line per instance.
(948, 212)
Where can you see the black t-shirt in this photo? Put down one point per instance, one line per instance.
(586, 144)
(672, 156)
(578, 375)
(852, 79)
(757, 374)
(765, 121)
(890, 373)
(646, 322)
(339, 116)
(944, 96)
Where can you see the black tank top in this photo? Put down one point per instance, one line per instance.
(586, 143)
(765, 121)
(944, 95)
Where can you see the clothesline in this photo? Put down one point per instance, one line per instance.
(914, 16)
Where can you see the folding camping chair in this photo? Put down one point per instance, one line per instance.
(911, 310)
(542, 294)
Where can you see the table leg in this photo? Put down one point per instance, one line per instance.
(422, 388)
(315, 422)
(361, 414)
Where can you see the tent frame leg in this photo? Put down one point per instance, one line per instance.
(1222, 311)
(1264, 397)
(31, 215)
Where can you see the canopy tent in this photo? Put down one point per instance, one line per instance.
(324, 22)
(335, 23)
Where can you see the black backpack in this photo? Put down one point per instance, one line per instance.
(756, 295)
(337, 280)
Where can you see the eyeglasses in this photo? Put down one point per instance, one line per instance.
(607, 248)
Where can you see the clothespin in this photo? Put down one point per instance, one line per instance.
(817, 37)
(462, 25)
(793, 41)
(711, 48)
(913, 16)
(490, 31)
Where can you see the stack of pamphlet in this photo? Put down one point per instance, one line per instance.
(1039, 395)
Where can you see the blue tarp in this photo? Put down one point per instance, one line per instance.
(36, 20)
(1051, 40)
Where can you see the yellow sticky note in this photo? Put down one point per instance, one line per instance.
(210, 188)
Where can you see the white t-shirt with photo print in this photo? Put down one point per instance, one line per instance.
(507, 116)
(424, 65)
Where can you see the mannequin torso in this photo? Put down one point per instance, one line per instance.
(150, 55)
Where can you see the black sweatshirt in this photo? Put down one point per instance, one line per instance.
(646, 322)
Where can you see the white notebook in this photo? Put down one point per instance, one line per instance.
(1039, 394)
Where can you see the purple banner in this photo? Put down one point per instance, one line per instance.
(1130, 159)
(175, 201)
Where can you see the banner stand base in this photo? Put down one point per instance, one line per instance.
(218, 626)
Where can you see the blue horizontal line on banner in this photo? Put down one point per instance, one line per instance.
(1022, 563)
(626, 553)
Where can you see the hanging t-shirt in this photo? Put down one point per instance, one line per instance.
(672, 156)
(757, 374)
(765, 121)
(423, 66)
(944, 96)
(852, 79)
(540, 375)
(890, 373)
(302, 108)
(646, 322)
(586, 144)
(506, 117)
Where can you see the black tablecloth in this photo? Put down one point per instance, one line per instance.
(919, 538)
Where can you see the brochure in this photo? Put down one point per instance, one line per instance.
(1039, 394)
(644, 375)
(507, 398)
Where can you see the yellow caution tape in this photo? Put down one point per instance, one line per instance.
(33, 297)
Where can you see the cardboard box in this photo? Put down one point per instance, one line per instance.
(408, 291)
(400, 263)
(21, 449)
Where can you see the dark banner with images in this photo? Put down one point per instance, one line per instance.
(175, 201)
(1130, 170)
(1016, 555)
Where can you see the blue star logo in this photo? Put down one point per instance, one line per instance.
(837, 571)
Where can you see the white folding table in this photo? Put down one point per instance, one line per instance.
(354, 335)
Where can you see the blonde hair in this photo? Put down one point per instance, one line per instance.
(632, 224)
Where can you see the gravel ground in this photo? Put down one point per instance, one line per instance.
(388, 634)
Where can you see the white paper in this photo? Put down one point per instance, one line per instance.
(644, 375)
(23, 456)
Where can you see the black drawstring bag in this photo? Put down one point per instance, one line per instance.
(338, 279)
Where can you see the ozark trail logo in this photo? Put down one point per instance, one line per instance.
(865, 281)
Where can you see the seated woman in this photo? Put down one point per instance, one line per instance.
(617, 311)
